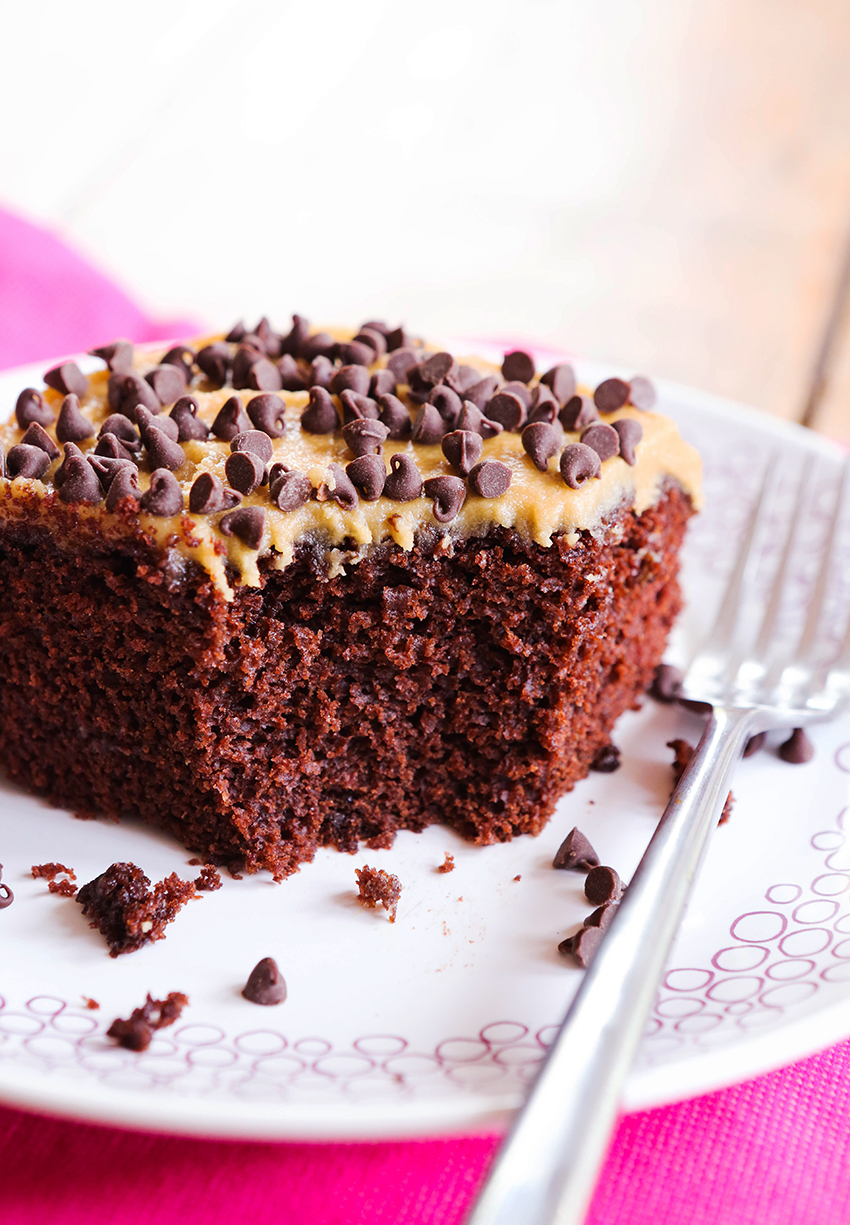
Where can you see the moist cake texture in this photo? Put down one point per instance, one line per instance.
(273, 592)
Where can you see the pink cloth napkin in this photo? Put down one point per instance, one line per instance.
(772, 1151)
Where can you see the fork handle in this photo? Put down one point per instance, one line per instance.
(547, 1167)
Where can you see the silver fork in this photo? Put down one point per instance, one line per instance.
(547, 1167)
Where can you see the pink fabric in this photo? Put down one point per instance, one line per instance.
(773, 1151)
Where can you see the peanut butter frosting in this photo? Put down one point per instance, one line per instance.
(568, 465)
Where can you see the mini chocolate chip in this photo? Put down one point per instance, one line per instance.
(71, 425)
(490, 479)
(394, 416)
(290, 490)
(367, 474)
(462, 448)
(209, 495)
(471, 418)
(181, 357)
(296, 337)
(118, 356)
(461, 379)
(365, 436)
(401, 362)
(255, 441)
(37, 436)
(578, 413)
(319, 345)
(124, 485)
(630, 433)
(520, 390)
(436, 369)
(604, 440)
(190, 427)
(244, 471)
(507, 409)
(231, 420)
(447, 403)
(145, 420)
(291, 377)
(561, 380)
(126, 391)
(320, 415)
(404, 482)
(246, 524)
(518, 365)
(351, 378)
(27, 461)
(75, 479)
(106, 468)
(382, 383)
(322, 371)
(541, 442)
(584, 945)
(168, 381)
(164, 498)
(376, 341)
(797, 749)
(579, 464)
(67, 379)
(602, 885)
(339, 489)
(265, 984)
(268, 413)
(482, 391)
(610, 395)
(32, 406)
(236, 333)
(428, 426)
(642, 393)
(353, 353)
(666, 683)
(356, 407)
(575, 852)
(162, 451)
(121, 427)
(110, 446)
(607, 760)
(754, 744)
(214, 361)
(449, 495)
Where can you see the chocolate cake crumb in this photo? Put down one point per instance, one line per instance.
(607, 760)
(517, 878)
(265, 984)
(49, 872)
(448, 864)
(683, 752)
(209, 880)
(7, 897)
(137, 1031)
(576, 852)
(124, 909)
(91, 1004)
(378, 888)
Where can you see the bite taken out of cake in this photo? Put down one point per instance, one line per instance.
(277, 591)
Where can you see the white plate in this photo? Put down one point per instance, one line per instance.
(437, 1023)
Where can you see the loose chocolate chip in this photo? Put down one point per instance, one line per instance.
(367, 474)
(255, 441)
(214, 361)
(578, 413)
(162, 451)
(607, 760)
(71, 425)
(797, 749)
(265, 984)
(319, 345)
(630, 433)
(126, 391)
(666, 683)
(118, 356)
(507, 409)
(121, 427)
(575, 852)
(471, 418)
(168, 381)
(449, 495)
(394, 416)
(401, 362)
(106, 468)
(296, 337)
(208, 495)
(268, 413)
(353, 353)
(356, 407)
(231, 420)
(462, 448)
(428, 426)
(75, 479)
(27, 461)
(365, 436)
(236, 333)
(579, 464)
(642, 393)
(490, 479)
(111, 446)
(291, 377)
(246, 524)
(436, 369)
(320, 415)
(67, 379)
(561, 380)
(244, 471)
(482, 391)
(351, 378)
(249, 351)
(181, 357)
(447, 403)
(754, 744)
(603, 916)
(610, 395)
(339, 488)
(145, 420)
(164, 498)
(189, 425)
(602, 885)
(36, 436)
(541, 442)
(124, 485)
(376, 341)
(322, 371)
(404, 482)
(382, 383)
(290, 490)
(584, 945)
(518, 365)
(32, 406)
(604, 440)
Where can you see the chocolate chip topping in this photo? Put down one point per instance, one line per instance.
(449, 494)
(579, 464)
(365, 436)
(296, 337)
(244, 471)
(209, 495)
(462, 448)
(382, 383)
(575, 852)
(339, 489)
(754, 744)
(291, 377)
(67, 379)
(162, 451)
(111, 446)
(610, 395)
(320, 415)
(607, 760)
(367, 473)
(247, 524)
(395, 417)
(541, 441)
(642, 393)
(107, 468)
(168, 381)
(146, 421)
(164, 497)
(397, 339)
(428, 426)
(265, 984)
(256, 442)
(436, 368)
(602, 885)
(797, 749)
(544, 407)
(268, 413)
(376, 341)
(400, 362)
(231, 420)
(521, 390)
(604, 440)
(75, 479)
(561, 380)
(482, 391)
(490, 479)
(319, 347)
(666, 683)
(578, 413)
(118, 356)
(404, 482)
(447, 403)
(263, 375)
(506, 408)
(71, 425)
(32, 406)
(27, 461)
(630, 433)
(290, 490)
(472, 418)
(181, 357)
(214, 361)
(189, 425)
(36, 436)
(322, 371)
(518, 365)
(124, 485)
(121, 427)
(126, 391)
(351, 378)
(355, 407)
(354, 353)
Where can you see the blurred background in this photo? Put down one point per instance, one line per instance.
(663, 184)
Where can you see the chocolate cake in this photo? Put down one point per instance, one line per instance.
(273, 592)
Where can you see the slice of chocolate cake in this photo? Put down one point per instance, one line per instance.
(273, 592)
